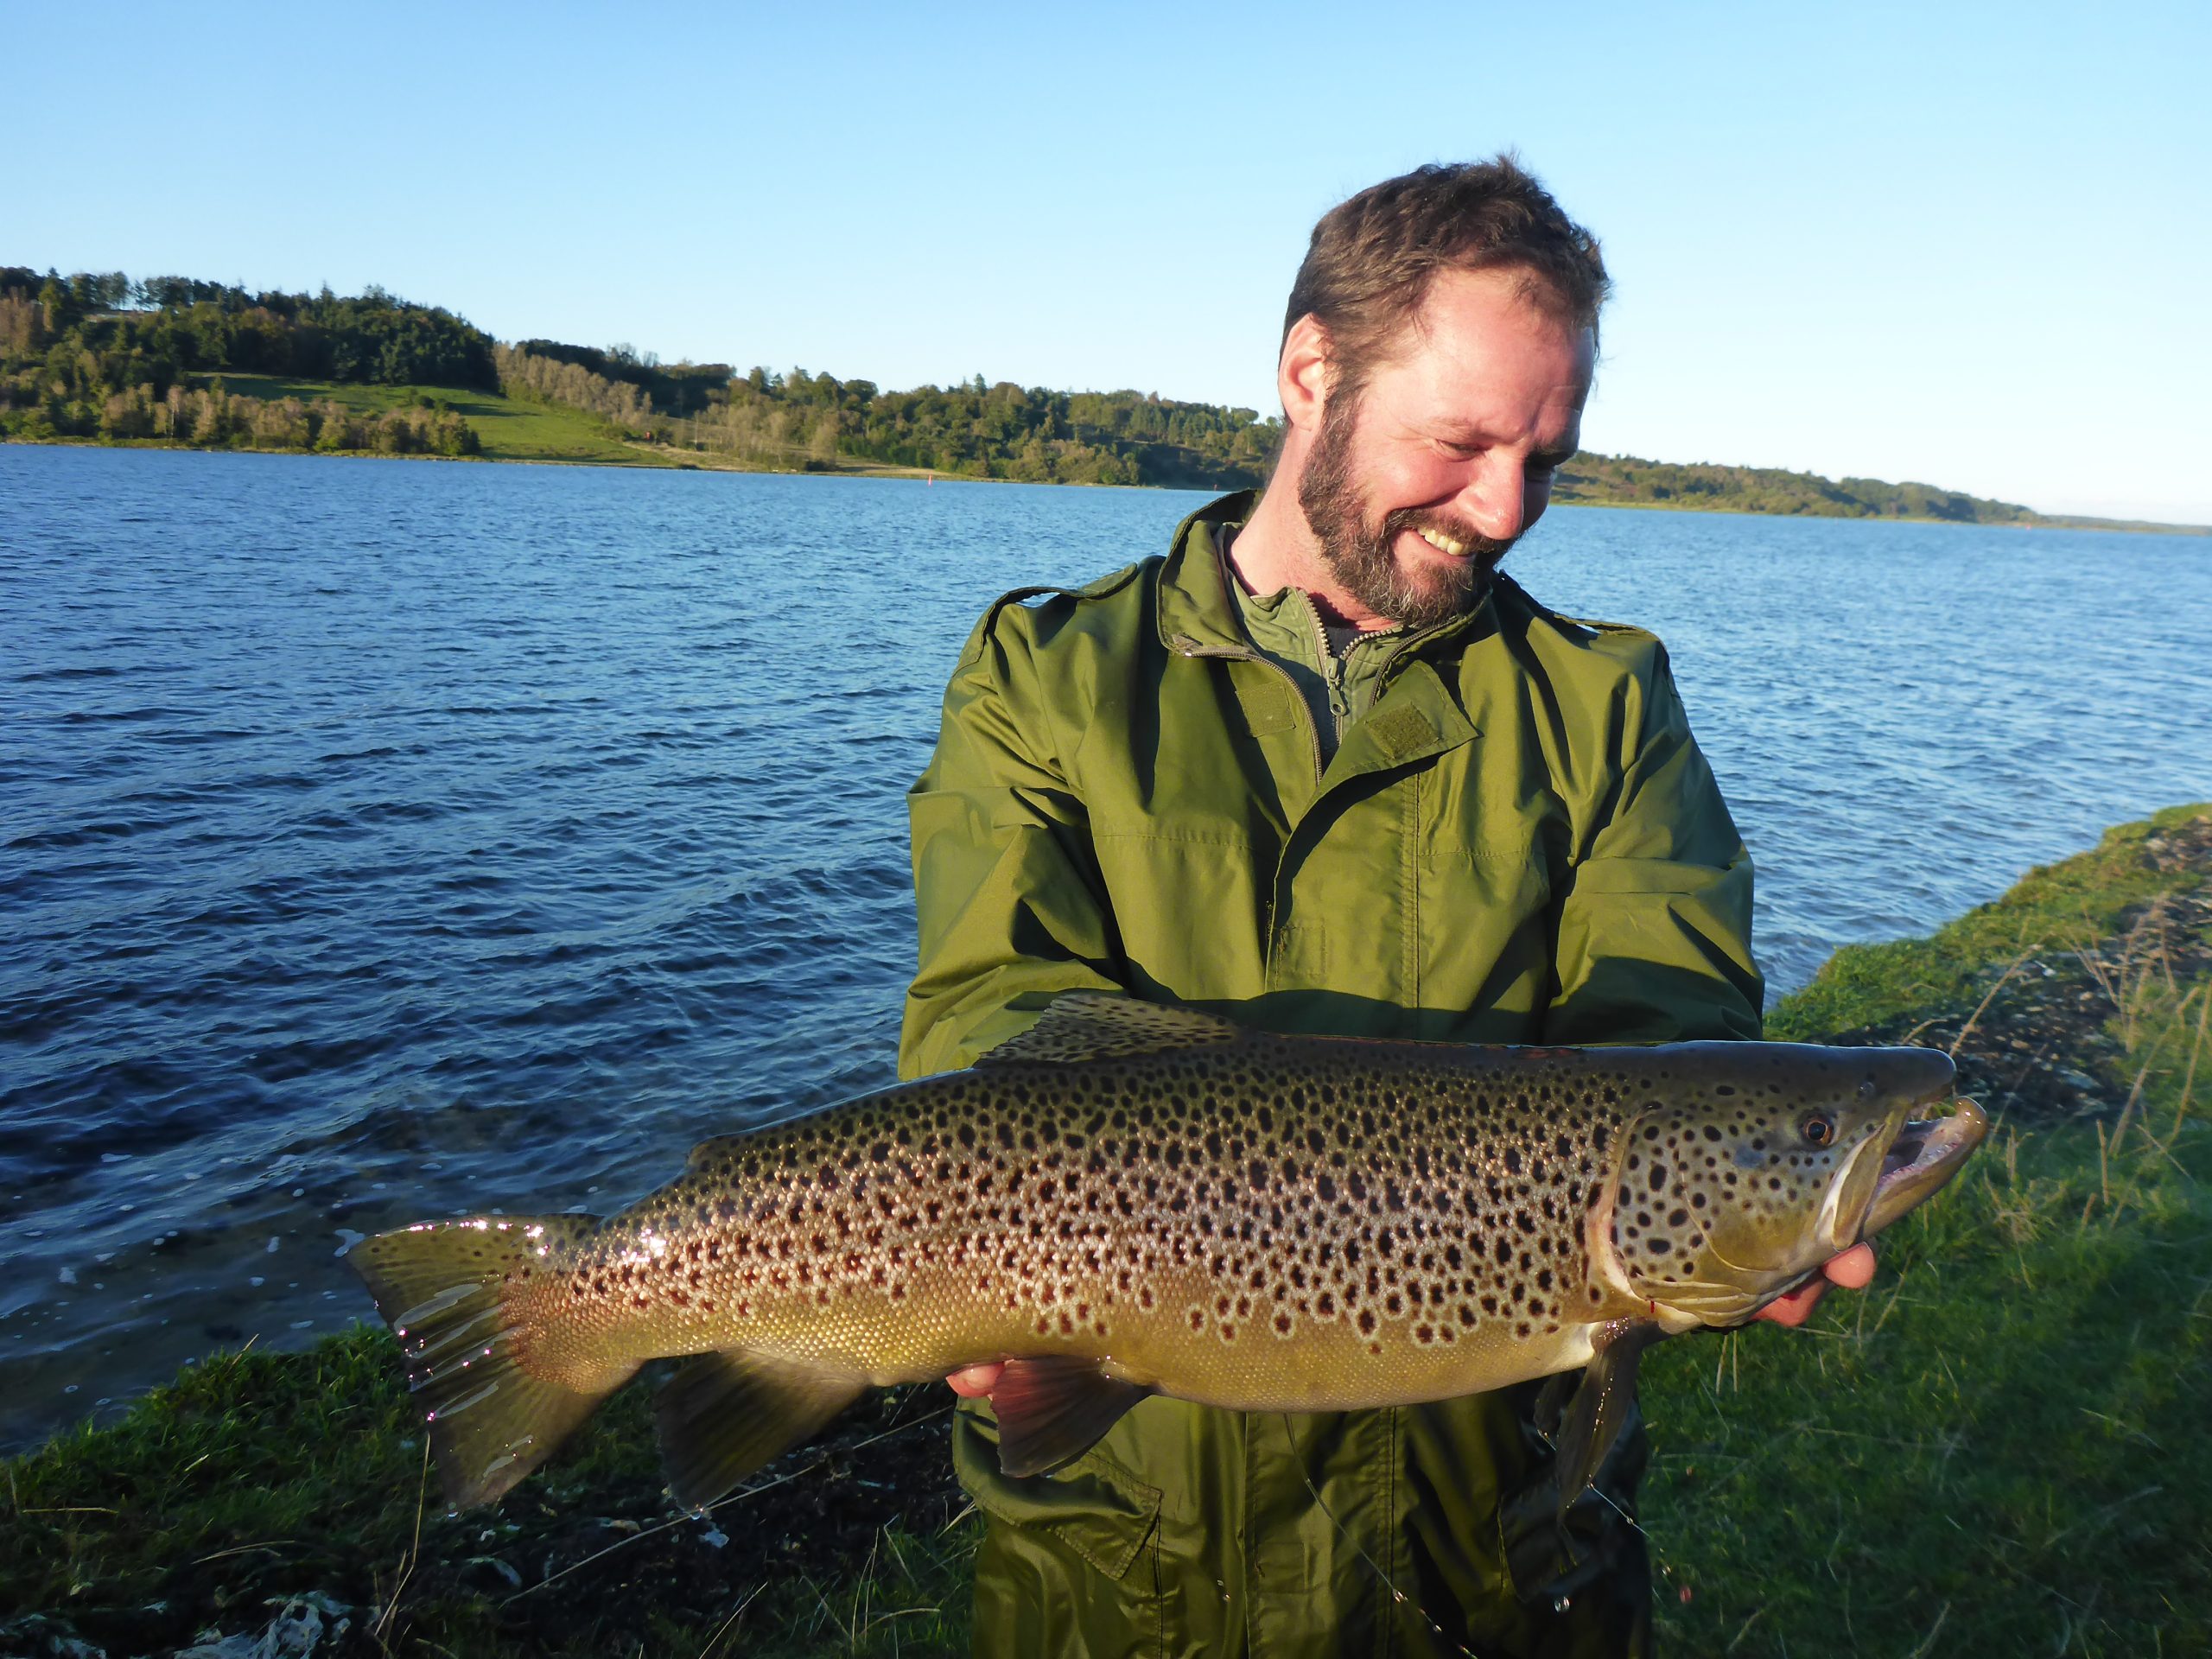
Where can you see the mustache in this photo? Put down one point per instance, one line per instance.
(1485, 552)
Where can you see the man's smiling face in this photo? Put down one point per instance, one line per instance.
(1423, 476)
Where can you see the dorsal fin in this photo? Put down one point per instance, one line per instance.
(1080, 1025)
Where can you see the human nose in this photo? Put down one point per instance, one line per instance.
(1495, 500)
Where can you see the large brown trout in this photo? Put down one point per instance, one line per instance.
(1131, 1199)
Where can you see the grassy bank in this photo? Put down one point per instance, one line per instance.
(2000, 1448)
(509, 429)
(1996, 1449)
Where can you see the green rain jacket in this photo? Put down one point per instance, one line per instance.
(1518, 843)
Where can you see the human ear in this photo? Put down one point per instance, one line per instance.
(1302, 374)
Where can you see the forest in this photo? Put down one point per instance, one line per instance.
(104, 356)
(108, 358)
(971, 427)
(1625, 480)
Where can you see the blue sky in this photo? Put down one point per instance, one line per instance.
(1958, 243)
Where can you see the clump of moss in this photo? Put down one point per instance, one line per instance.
(2051, 912)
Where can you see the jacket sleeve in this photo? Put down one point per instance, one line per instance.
(1654, 930)
(1007, 894)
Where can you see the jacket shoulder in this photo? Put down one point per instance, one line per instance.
(1035, 616)
(1601, 647)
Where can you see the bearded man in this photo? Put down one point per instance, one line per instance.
(1324, 768)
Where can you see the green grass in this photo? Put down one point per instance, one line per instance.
(256, 1477)
(510, 429)
(1998, 1449)
(2061, 907)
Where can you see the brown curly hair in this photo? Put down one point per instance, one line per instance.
(1372, 259)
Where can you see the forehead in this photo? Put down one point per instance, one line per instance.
(1478, 340)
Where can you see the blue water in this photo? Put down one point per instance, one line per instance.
(380, 840)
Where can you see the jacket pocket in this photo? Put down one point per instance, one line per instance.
(1094, 1508)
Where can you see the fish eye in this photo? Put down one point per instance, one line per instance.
(1820, 1129)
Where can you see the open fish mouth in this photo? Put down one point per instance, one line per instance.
(1925, 1153)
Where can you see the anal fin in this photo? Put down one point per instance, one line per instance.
(1600, 1409)
(1052, 1408)
(724, 1414)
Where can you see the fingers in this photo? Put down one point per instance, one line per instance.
(1793, 1308)
(975, 1381)
(1854, 1270)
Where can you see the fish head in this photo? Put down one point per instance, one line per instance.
(1769, 1161)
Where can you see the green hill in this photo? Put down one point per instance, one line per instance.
(507, 428)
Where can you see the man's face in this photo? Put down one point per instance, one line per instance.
(1417, 484)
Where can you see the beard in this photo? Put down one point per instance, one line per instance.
(1359, 555)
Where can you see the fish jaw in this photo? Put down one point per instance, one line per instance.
(1724, 1204)
(1920, 1159)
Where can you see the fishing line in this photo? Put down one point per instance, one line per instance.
(1344, 1532)
(821, 1462)
(1552, 1446)
(1657, 1557)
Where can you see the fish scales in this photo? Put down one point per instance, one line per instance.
(1131, 1198)
(1172, 1213)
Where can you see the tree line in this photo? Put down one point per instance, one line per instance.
(969, 428)
(1600, 480)
(1004, 430)
(211, 417)
(103, 356)
(530, 373)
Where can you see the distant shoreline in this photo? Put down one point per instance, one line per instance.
(662, 459)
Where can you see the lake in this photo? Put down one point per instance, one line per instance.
(382, 840)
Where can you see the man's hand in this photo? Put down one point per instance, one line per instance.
(1854, 1270)
(976, 1382)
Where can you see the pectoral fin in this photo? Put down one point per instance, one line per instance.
(1052, 1409)
(722, 1415)
(1599, 1408)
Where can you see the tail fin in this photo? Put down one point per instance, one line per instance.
(443, 1288)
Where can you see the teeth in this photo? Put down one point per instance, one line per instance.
(1443, 543)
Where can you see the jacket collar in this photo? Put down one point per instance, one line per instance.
(1196, 616)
